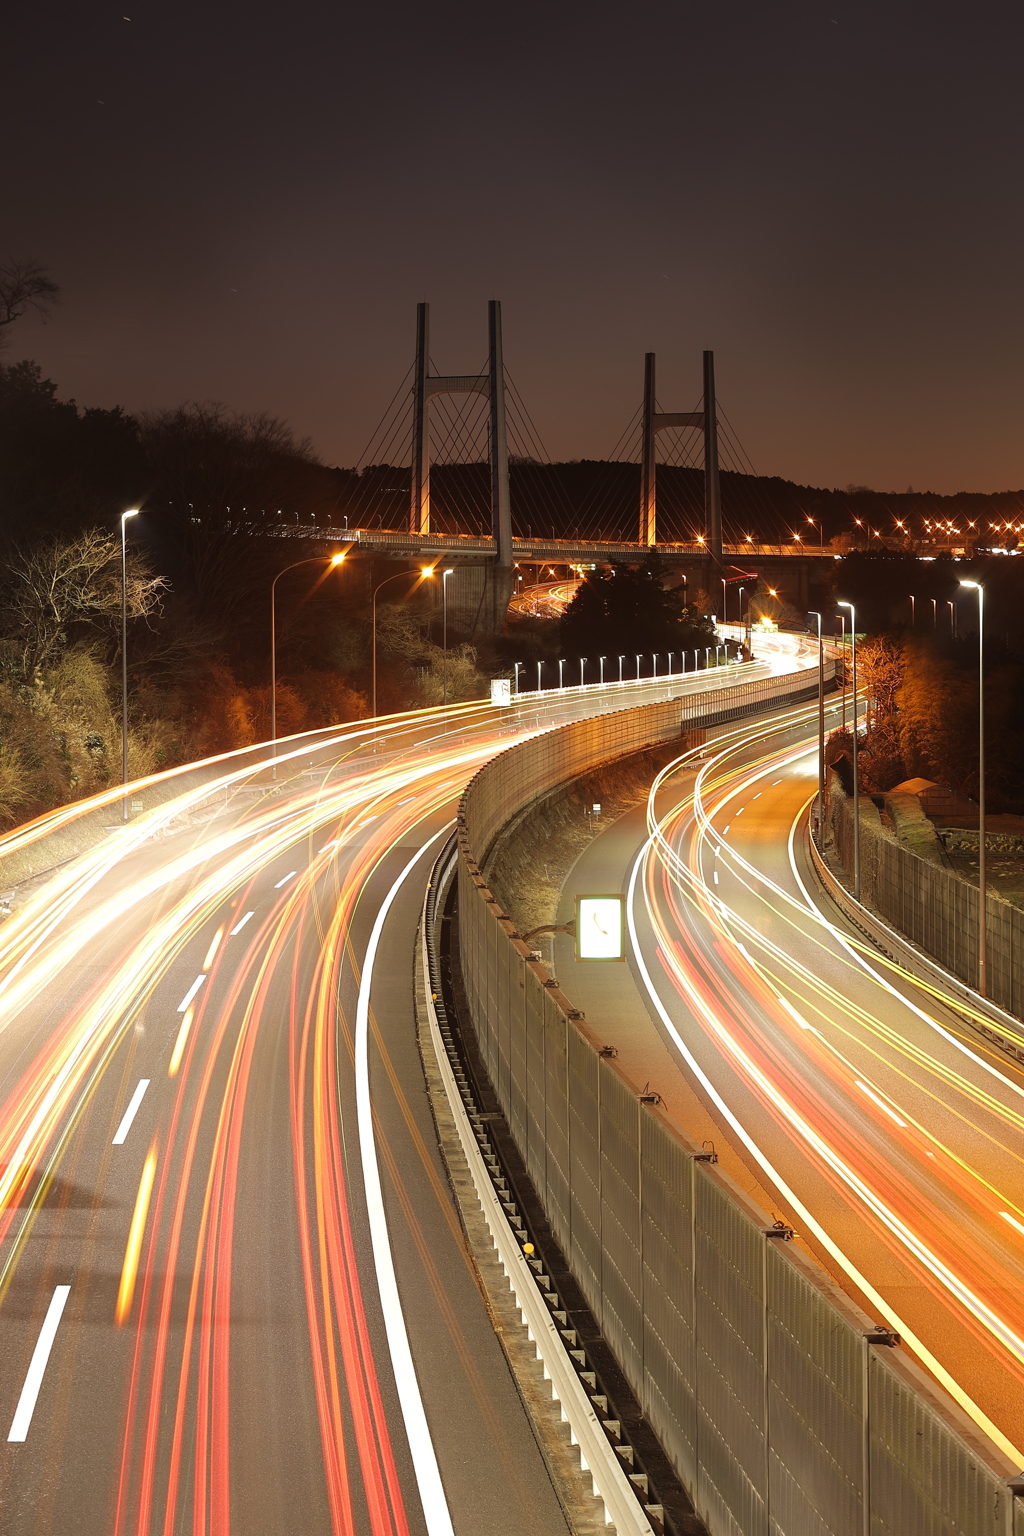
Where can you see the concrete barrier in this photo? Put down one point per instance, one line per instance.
(769, 1389)
(930, 904)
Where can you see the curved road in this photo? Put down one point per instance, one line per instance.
(862, 1105)
(234, 1288)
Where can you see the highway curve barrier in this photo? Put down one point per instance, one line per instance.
(778, 1402)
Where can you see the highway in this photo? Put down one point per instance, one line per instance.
(234, 1288)
(863, 1107)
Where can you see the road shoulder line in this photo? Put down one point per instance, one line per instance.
(551, 1414)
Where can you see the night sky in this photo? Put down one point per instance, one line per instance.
(244, 202)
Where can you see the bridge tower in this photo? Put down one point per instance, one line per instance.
(492, 386)
(656, 421)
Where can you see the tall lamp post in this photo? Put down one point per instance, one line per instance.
(444, 631)
(856, 784)
(821, 731)
(982, 892)
(422, 573)
(134, 512)
(331, 560)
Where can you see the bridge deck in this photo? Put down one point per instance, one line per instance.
(582, 550)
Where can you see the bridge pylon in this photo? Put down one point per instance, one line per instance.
(492, 386)
(655, 421)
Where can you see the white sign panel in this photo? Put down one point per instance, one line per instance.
(600, 927)
(501, 690)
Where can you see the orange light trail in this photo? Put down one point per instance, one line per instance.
(926, 1149)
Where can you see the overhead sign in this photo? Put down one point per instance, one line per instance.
(501, 690)
(600, 927)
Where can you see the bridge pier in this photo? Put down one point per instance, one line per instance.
(478, 599)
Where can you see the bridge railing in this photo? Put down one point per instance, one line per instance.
(770, 1390)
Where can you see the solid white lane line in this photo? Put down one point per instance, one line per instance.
(240, 925)
(421, 1446)
(190, 994)
(290, 876)
(40, 1355)
(130, 1113)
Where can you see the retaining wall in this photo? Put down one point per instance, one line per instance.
(779, 1414)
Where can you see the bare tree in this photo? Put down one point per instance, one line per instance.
(63, 590)
(25, 285)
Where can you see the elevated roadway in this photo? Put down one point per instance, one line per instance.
(862, 1106)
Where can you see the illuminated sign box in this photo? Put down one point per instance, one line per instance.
(501, 691)
(600, 927)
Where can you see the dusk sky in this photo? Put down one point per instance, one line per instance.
(244, 202)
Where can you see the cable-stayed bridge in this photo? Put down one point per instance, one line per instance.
(455, 471)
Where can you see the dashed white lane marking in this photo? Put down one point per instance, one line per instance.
(37, 1366)
(290, 876)
(190, 994)
(129, 1115)
(240, 925)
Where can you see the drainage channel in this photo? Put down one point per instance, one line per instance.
(653, 1481)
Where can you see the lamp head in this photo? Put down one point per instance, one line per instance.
(845, 605)
(132, 512)
(449, 572)
(426, 570)
(338, 558)
(975, 584)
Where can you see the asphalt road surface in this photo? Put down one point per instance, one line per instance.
(234, 1290)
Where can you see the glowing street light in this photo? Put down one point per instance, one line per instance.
(977, 586)
(424, 573)
(821, 731)
(856, 784)
(444, 631)
(133, 512)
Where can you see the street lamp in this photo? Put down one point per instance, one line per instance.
(621, 660)
(444, 632)
(423, 572)
(913, 611)
(654, 660)
(952, 616)
(821, 731)
(583, 662)
(856, 782)
(670, 655)
(517, 665)
(561, 664)
(982, 892)
(638, 667)
(134, 512)
(601, 661)
(539, 665)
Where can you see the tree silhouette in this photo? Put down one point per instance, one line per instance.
(25, 285)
